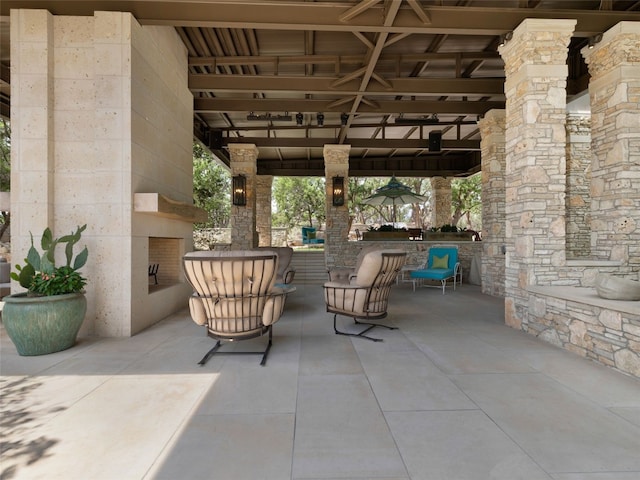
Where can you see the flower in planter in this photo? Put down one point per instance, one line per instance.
(41, 276)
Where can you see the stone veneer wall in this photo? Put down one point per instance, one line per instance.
(578, 186)
(101, 110)
(535, 88)
(243, 218)
(336, 164)
(614, 89)
(607, 331)
(441, 213)
(417, 252)
(492, 129)
(263, 210)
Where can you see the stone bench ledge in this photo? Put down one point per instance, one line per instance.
(593, 263)
(588, 296)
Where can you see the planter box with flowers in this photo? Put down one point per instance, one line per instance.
(47, 318)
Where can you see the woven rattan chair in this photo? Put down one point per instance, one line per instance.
(234, 296)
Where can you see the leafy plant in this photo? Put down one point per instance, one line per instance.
(41, 276)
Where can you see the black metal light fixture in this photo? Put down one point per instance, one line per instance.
(504, 38)
(595, 39)
(320, 119)
(338, 191)
(344, 118)
(239, 190)
(299, 118)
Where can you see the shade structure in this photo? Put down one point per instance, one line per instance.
(394, 193)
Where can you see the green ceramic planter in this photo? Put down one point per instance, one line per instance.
(42, 325)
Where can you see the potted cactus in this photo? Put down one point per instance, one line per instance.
(47, 317)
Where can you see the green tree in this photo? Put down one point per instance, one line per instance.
(211, 188)
(466, 201)
(5, 169)
(298, 201)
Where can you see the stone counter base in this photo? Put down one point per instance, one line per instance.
(577, 319)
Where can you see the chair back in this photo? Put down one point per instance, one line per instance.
(308, 233)
(367, 295)
(285, 273)
(232, 290)
(390, 263)
(442, 253)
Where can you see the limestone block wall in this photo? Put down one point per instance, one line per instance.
(336, 164)
(578, 186)
(101, 111)
(417, 252)
(492, 128)
(441, 213)
(244, 235)
(614, 89)
(604, 330)
(263, 210)
(535, 88)
(161, 161)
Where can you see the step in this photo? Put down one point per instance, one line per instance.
(310, 267)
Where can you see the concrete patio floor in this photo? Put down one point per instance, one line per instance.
(453, 394)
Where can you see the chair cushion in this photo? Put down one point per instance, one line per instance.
(440, 262)
(433, 273)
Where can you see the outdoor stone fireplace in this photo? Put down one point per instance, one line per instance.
(166, 254)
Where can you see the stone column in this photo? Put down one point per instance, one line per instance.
(336, 164)
(263, 209)
(441, 212)
(614, 88)
(243, 218)
(578, 184)
(492, 131)
(536, 78)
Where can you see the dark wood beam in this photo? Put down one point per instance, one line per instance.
(323, 85)
(321, 16)
(418, 107)
(385, 143)
(431, 165)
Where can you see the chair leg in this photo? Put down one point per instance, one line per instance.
(218, 344)
(362, 333)
(209, 354)
(263, 362)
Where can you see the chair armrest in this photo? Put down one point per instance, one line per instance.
(288, 275)
(343, 286)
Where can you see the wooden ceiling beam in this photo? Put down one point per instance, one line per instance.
(321, 16)
(418, 107)
(326, 85)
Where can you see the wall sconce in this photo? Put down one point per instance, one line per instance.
(320, 118)
(595, 39)
(239, 190)
(505, 38)
(338, 191)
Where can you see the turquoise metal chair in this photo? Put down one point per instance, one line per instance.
(309, 236)
(442, 264)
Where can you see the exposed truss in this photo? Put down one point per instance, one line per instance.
(350, 70)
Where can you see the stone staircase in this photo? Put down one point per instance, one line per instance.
(310, 267)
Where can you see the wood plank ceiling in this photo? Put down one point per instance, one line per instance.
(379, 75)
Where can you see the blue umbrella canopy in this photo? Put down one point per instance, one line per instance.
(394, 193)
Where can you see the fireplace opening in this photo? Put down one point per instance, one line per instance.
(164, 262)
